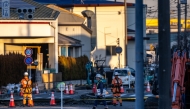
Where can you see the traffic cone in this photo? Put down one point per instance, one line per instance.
(66, 89)
(121, 89)
(37, 90)
(12, 103)
(94, 89)
(148, 87)
(52, 102)
(71, 92)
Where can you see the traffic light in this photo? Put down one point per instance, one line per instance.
(117, 41)
(152, 48)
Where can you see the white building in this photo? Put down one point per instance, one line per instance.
(34, 30)
(107, 24)
(74, 36)
(131, 34)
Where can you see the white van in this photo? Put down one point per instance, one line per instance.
(126, 74)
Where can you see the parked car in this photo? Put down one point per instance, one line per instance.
(127, 75)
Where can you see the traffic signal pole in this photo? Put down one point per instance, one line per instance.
(164, 75)
(139, 81)
(179, 24)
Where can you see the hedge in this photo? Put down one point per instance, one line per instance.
(72, 68)
(12, 67)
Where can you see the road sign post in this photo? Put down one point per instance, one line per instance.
(28, 59)
(5, 8)
(118, 50)
(61, 87)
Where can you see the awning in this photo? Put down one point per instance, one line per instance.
(69, 41)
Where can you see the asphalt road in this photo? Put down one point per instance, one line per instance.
(126, 105)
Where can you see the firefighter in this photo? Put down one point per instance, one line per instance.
(26, 88)
(99, 95)
(116, 84)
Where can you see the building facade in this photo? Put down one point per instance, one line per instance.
(34, 30)
(74, 36)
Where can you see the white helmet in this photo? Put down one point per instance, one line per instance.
(98, 76)
(116, 73)
(25, 73)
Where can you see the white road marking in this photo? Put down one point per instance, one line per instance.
(123, 95)
(149, 95)
(38, 97)
(132, 95)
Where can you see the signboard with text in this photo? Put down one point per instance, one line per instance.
(5, 8)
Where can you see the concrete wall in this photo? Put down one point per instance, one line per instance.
(110, 26)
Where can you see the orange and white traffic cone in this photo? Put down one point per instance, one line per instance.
(94, 89)
(148, 87)
(37, 90)
(12, 103)
(66, 89)
(71, 92)
(121, 89)
(52, 102)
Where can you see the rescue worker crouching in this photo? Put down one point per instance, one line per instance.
(116, 85)
(26, 88)
(100, 92)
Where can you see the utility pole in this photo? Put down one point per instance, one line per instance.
(139, 81)
(179, 24)
(185, 30)
(117, 41)
(125, 35)
(164, 74)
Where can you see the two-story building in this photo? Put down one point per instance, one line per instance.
(74, 36)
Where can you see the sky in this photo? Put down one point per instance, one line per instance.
(153, 8)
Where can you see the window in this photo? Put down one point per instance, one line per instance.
(110, 50)
(70, 51)
(77, 51)
(63, 51)
(89, 22)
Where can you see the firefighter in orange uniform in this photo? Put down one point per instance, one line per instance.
(26, 88)
(116, 84)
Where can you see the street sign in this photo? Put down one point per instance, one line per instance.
(61, 86)
(5, 8)
(28, 52)
(118, 49)
(28, 60)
